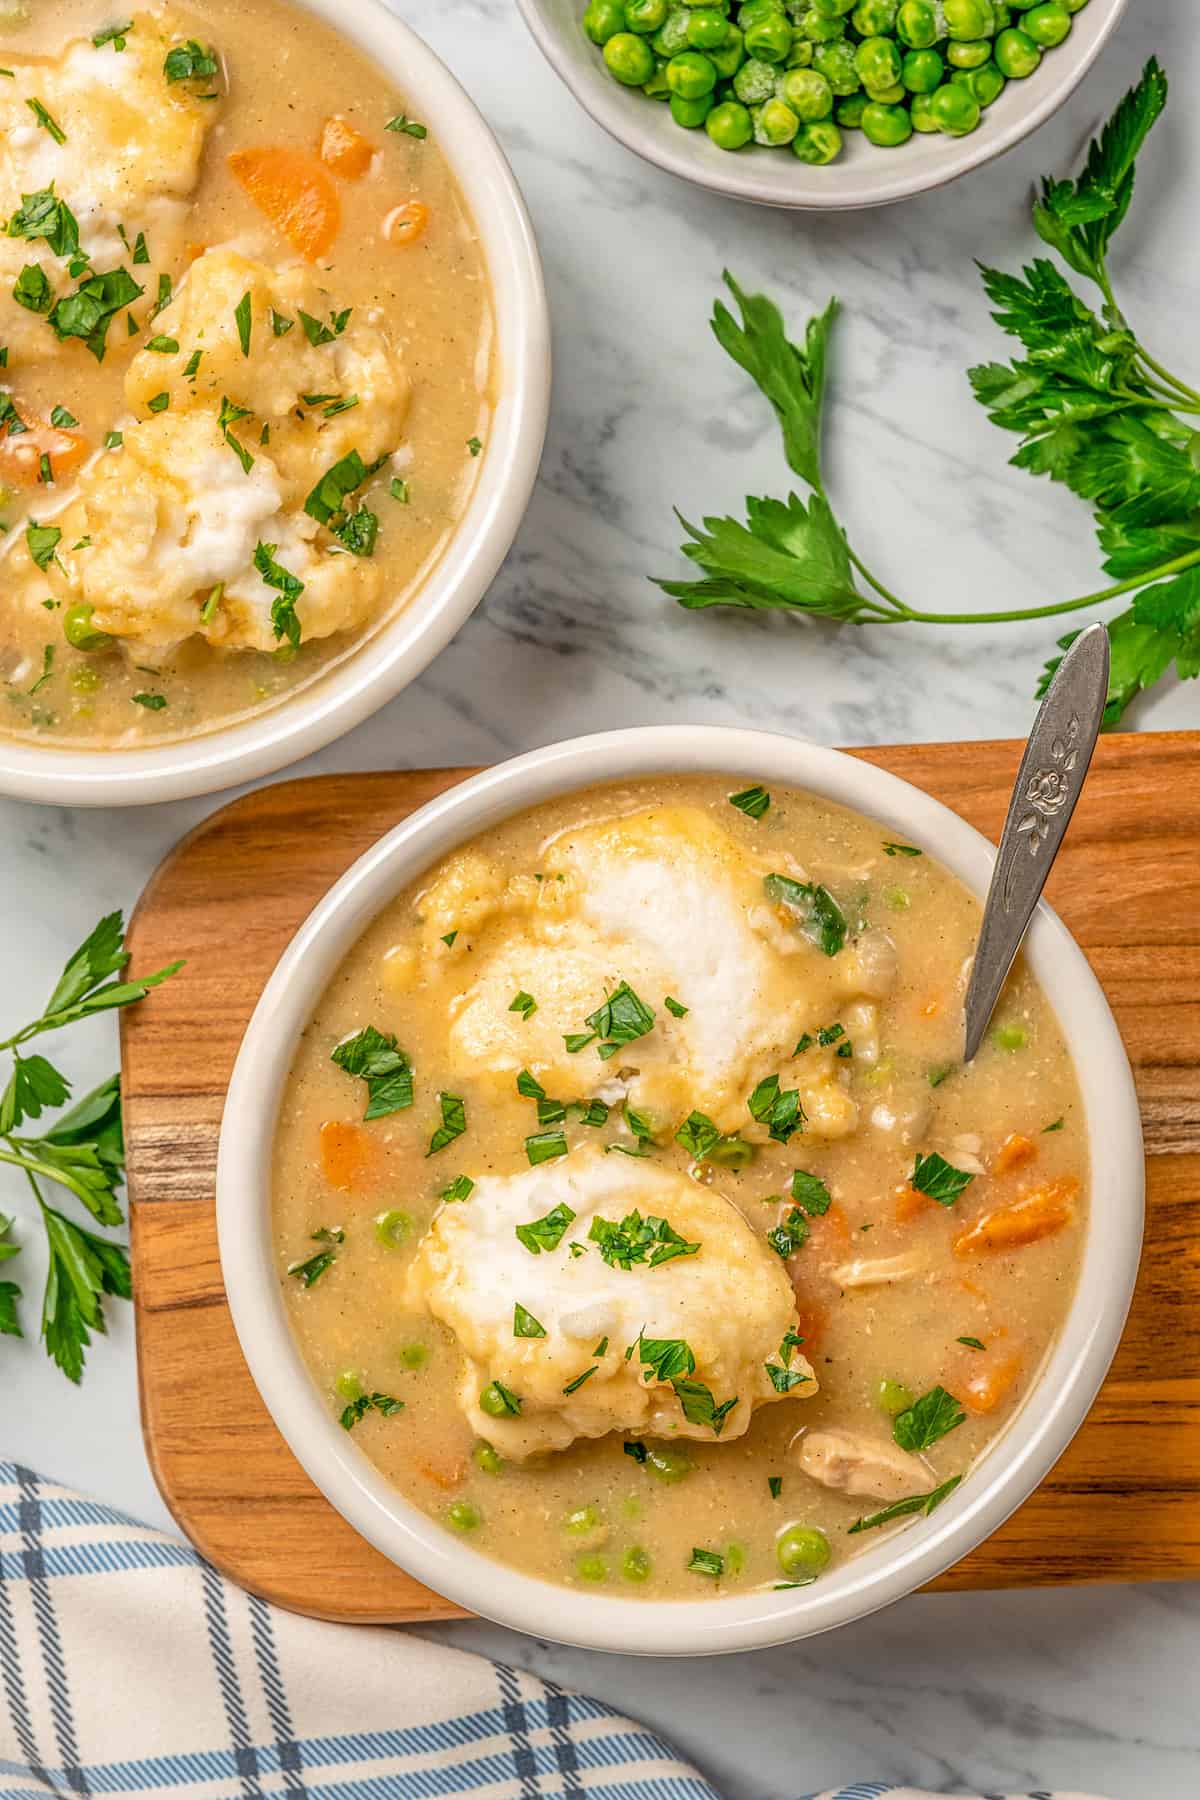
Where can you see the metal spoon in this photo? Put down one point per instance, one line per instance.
(1047, 788)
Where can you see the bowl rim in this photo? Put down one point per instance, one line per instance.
(399, 650)
(604, 101)
(1008, 1471)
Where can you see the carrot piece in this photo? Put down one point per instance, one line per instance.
(1036, 1214)
(989, 1383)
(21, 456)
(295, 191)
(811, 1320)
(1014, 1151)
(910, 1204)
(830, 1230)
(405, 224)
(452, 1475)
(345, 1150)
(931, 1009)
(344, 149)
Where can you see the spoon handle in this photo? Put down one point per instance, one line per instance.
(1047, 787)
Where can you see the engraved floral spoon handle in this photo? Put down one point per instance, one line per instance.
(1047, 787)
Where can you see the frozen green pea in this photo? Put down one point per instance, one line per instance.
(728, 59)
(690, 76)
(802, 1552)
(886, 126)
(487, 1458)
(1017, 56)
(836, 63)
(956, 109)
(1048, 25)
(348, 1385)
(808, 95)
(581, 1521)
(878, 62)
(645, 16)
(969, 56)
(871, 18)
(414, 1356)
(672, 38)
(629, 59)
(769, 37)
(987, 83)
(818, 30)
(801, 54)
(922, 115)
(775, 123)
(820, 142)
(916, 24)
(667, 1463)
(850, 111)
(85, 678)
(462, 1516)
(636, 1564)
(922, 71)
(603, 19)
(1010, 1037)
(707, 28)
(729, 125)
(79, 631)
(755, 81)
(691, 113)
(591, 1567)
(969, 18)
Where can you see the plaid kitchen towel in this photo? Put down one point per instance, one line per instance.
(129, 1667)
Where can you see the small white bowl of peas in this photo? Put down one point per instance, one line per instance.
(821, 104)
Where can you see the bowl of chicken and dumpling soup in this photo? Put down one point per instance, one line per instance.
(274, 372)
(608, 1219)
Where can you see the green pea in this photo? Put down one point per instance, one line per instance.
(969, 18)
(775, 124)
(1003, 15)
(486, 1458)
(897, 899)
(673, 36)
(707, 28)
(849, 113)
(629, 58)
(956, 110)
(755, 81)
(800, 56)
(636, 1564)
(820, 142)
(802, 1551)
(818, 30)
(591, 1567)
(656, 88)
(79, 631)
(916, 24)
(893, 1398)
(922, 71)
(690, 76)
(808, 94)
(393, 1228)
(1074, 6)
(645, 16)
(348, 1385)
(1010, 1037)
(987, 84)
(769, 37)
(728, 59)
(735, 1558)
(878, 62)
(670, 1465)
(493, 1403)
(691, 113)
(730, 125)
(85, 678)
(871, 18)
(603, 19)
(1048, 24)
(754, 10)
(888, 96)
(833, 9)
(1017, 56)
(462, 1516)
(733, 1152)
(969, 56)
(886, 126)
(414, 1356)
(921, 113)
(836, 63)
(581, 1521)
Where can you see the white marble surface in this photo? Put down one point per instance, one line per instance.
(1091, 1689)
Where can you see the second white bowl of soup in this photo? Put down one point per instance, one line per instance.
(608, 1219)
(274, 384)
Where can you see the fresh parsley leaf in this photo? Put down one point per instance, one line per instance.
(778, 1109)
(374, 1057)
(497, 1401)
(940, 1180)
(358, 1408)
(813, 908)
(461, 1188)
(43, 215)
(902, 1509)
(46, 122)
(783, 1380)
(90, 310)
(151, 702)
(284, 621)
(621, 1020)
(791, 1236)
(792, 378)
(753, 801)
(32, 289)
(83, 1269)
(525, 1325)
(810, 1192)
(523, 1003)
(901, 850)
(676, 1008)
(928, 1420)
(544, 1146)
(42, 542)
(707, 1562)
(972, 1343)
(700, 1407)
(454, 1123)
(190, 61)
(573, 1386)
(636, 1449)
(546, 1233)
(667, 1359)
(1055, 1125)
(311, 1269)
(787, 555)
(114, 35)
(243, 318)
(410, 127)
(697, 1135)
(775, 1484)
(637, 1240)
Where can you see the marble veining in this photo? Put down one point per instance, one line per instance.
(1092, 1689)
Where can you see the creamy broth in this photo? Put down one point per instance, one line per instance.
(380, 255)
(930, 1240)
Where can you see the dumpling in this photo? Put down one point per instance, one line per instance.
(727, 1309)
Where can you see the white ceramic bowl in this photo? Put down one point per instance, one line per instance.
(396, 654)
(1012, 1466)
(862, 175)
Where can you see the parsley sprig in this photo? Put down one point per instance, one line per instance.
(82, 1152)
(1095, 410)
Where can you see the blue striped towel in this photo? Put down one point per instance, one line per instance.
(129, 1667)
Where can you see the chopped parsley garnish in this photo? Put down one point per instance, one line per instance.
(810, 1192)
(327, 504)
(454, 1123)
(1057, 1125)
(47, 669)
(373, 1056)
(42, 541)
(637, 1240)
(329, 1234)
(634, 1447)
(358, 531)
(601, 1348)
(243, 318)
(591, 1112)
(461, 1188)
(46, 122)
(113, 440)
(114, 35)
(496, 1400)
(525, 1325)
(64, 420)
(190, 61)
(707, 1562)
(675, 1007)
(547, 1233)
(43, 215)
(902, 850)
(474, 445)
(10, 418)
(753, 801)
(448, 938)
(667, 1358)
(90, 310)
(697, 1135)
(523, 1003)
(32, 289)
(544, 1146)
(791, 1236)
(410, 127)
(700, 1407)
(940, 1180)
(208, 610)
(901, 1509)
(971, 1343)
(399, 490)
(778, 1109)
(578, 1040)
(775, 1483)
(579, 1380)
(159, 402)
(313, 1269)
(283, 611)
(365, 1403)
(280, 325)
(152, 702)
(141, 251)
(229, 416)
(318, 334)
(783, 1379)
(529, 1087)
(927, 1420)
(621, 1020)
(814, 909)
(936, 1076)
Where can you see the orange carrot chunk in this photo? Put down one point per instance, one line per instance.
(910, 1203)
(1037, 1214)
(21, 455)
(989, 1384)
(295, 191)
(344, 149)
(405, 224)
(1014, 1151)
(344, 1153)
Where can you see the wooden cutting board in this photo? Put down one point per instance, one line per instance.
(1122, 1504)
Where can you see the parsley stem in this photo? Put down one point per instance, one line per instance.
(31, 1165)
(1171, 383)
(1175, 567)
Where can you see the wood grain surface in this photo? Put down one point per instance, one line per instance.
(1122, 1504)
